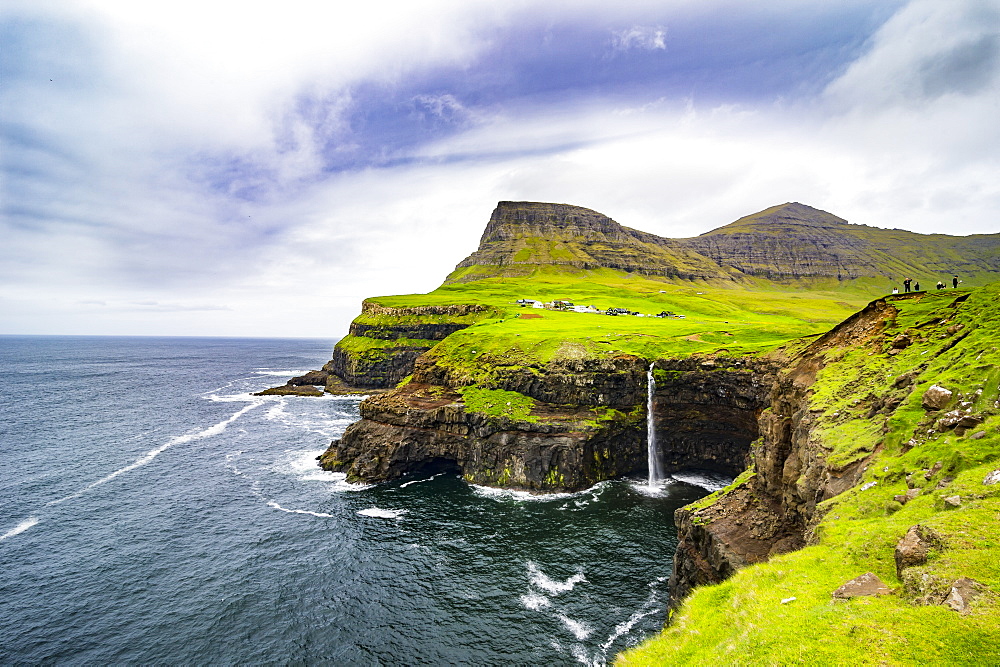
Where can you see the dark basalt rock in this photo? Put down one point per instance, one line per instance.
(419, 427)
(426, 422)
(706, 415)
(317, 378)
(384, 367)
(291, 390)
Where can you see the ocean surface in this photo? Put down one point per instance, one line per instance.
(153, 511)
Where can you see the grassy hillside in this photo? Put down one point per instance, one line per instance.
(741, 320)
(794, 241)
(869, 402)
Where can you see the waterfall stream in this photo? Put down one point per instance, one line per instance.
(655, 473)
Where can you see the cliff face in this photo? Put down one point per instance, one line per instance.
(706, 411)
(795, 464)
(428, 424)
(384, 342)
(586, 423)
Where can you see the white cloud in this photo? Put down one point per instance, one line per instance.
(639, 37)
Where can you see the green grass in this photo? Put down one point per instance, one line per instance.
(730, 319)
(498, 403)
(743, 621)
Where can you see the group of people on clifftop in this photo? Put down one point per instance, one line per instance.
(909, 282)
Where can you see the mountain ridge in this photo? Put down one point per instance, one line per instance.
(783, 243)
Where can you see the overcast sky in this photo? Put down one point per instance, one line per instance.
(258, 168)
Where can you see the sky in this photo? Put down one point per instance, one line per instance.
(258, 168)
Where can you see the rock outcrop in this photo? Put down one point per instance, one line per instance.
(770, 511)
(788, 243)
(587, 423)
(384, 342)
(426, 425)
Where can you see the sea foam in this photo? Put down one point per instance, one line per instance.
(20, 528)
(379, 513)
(534, 601)
(322, 515)
(551, 586)
(579, 629)
(418, 481)
(280, 373)
(214, 429)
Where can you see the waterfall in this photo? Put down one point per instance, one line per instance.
(655, 473)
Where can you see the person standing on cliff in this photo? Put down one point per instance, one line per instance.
(906, 285)
(954, 282)
(916, 287)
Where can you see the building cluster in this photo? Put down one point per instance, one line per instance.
(566, 305)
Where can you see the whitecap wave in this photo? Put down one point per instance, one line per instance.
(276, 411)
(20, 528)
(303, 464)
(512, 494)
(551, 586)
(214, 429)
(626, 626)
(293, 373)
(236, 398)
(316, 421)
(579, 629)
(534, 601)
(419, 481)
(651, 607)
(380, 513)
(322, 515)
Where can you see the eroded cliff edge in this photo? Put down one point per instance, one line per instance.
(868, 389)
(561, 426)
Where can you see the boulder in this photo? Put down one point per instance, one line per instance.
(952, 501)
(950, 420)
(904, 498)
(962, 593)
(901, 342)
(936, 397)
(866, 585)
(992, 477)
(311, 378)
(914, 546)
(969, 421)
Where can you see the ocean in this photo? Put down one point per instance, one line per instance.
(153, 511)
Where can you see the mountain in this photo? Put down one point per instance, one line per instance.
(795, 241)
(787, 243)
(523, 236)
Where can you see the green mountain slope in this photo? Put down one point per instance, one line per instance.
(921, 512)
(794, 241)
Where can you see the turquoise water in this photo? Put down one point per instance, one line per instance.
(153, 511)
